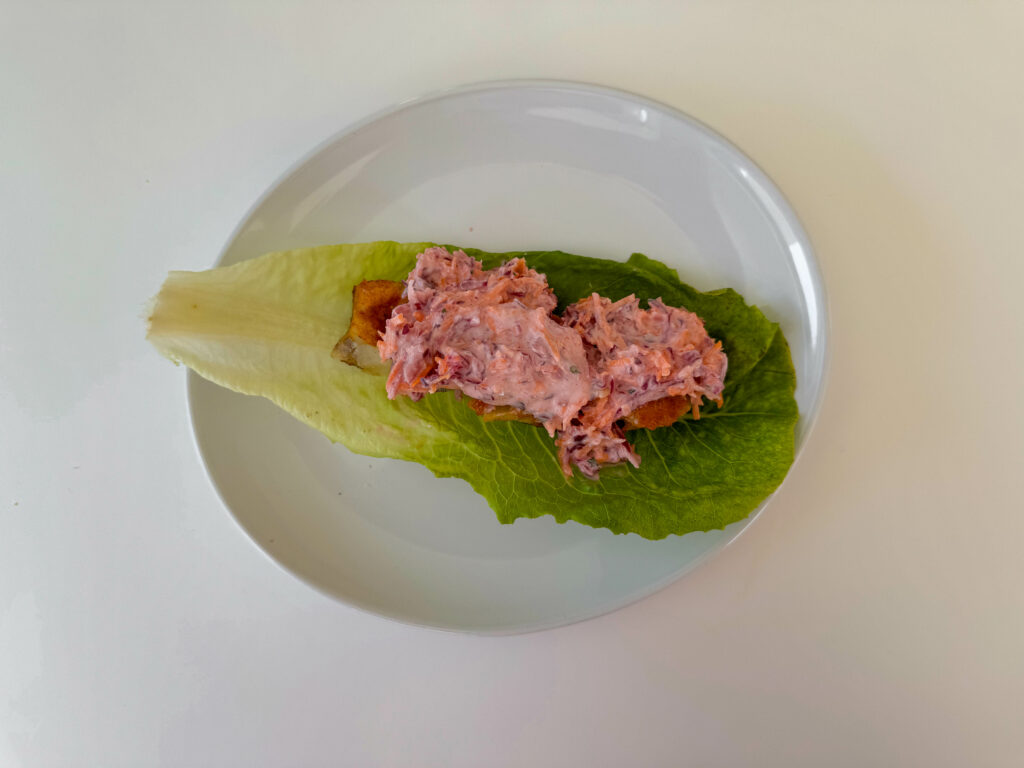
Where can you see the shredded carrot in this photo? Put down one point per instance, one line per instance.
(442, 366)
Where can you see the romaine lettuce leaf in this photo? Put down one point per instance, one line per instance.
(267, 326)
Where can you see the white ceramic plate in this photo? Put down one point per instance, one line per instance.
(506, 166)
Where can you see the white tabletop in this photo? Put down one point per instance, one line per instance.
(874, 615)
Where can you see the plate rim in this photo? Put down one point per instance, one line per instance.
(192, 379)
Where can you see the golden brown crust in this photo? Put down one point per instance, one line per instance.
(659, 413)
(372, 304)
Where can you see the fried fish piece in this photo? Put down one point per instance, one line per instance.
(658, 413)
(372, 304)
